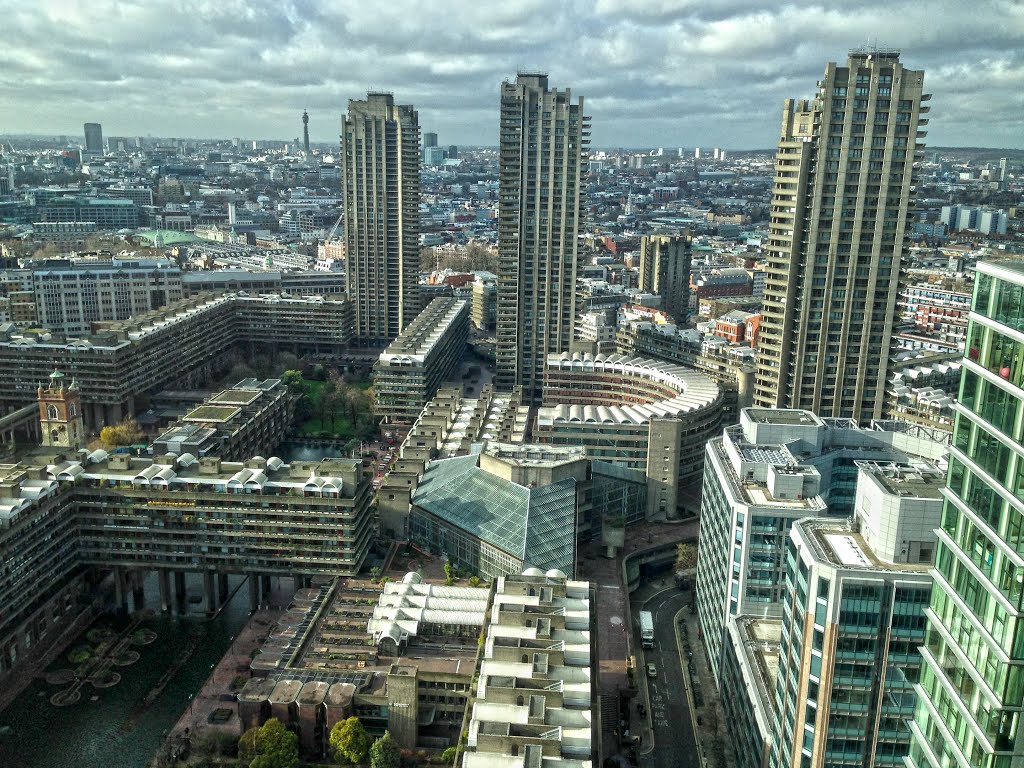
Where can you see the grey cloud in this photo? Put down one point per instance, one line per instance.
(653, 72)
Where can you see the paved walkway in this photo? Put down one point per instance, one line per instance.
(717, 746)
(193, 724)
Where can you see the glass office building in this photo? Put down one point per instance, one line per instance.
(972, 684)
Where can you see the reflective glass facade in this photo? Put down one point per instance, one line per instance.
(972, 684)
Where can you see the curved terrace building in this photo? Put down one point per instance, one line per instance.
(645, 414)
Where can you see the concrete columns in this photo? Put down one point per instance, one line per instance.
(222, 587)
(179, 588)
(208, 593)
(138, 590)
(254, 592)
(163, 577)
(120, 591)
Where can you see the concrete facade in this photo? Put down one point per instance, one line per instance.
(539, 216)
(180, 344)
(665, 271)
(412, 368)
(836, 236)
(380, 174)
(620, 409)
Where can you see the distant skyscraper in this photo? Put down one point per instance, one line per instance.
(93, 137)
(305, 133)
(543, 151)
(7, 181)
(453, 152)
(969, 694)
(665, 271)
(841, 204)
(429, 140)
(380, 174)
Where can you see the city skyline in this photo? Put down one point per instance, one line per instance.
(698, 75)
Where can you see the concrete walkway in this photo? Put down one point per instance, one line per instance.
(193, 724)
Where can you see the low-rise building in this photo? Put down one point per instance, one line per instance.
(65, 511)
(642, 413)
(414, 661)
(250, 419)
(534, 701)
(178, 344)
(485, 304)
(503, 509)
(72, 295)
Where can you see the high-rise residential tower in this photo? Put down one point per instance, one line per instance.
(971, 690)
(93, 137)
(380, 182)
(543, 147)
(841, 202)
(665, 271)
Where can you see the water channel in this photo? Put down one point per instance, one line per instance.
(123, 726)
(289, 451)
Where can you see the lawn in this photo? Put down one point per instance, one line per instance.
(322, 420)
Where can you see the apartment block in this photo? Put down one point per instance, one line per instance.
(842, 202)
(543, 149)
(178, 344)
(173, 514)
(412, 368)
(665, 271)
(380, 182)
(250, 419)
(776, 467)
(534, 701)
(853, 622)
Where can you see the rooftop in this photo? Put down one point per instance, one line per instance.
(782, 416)
(920, 481)
(836, 543)
(418, 340)
(535, 525)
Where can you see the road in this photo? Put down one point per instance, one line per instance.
(674, 744)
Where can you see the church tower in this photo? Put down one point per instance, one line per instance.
(60, 413)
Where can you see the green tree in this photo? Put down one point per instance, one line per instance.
(350, 741)
(247, 745)
(269, 746)
(125, 433)
(449, 755)
(686, 556)
(385, 753)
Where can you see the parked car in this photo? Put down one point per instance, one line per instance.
(652, 671)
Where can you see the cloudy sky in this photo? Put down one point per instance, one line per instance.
(653, 72)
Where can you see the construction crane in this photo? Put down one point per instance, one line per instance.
(330, 235)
